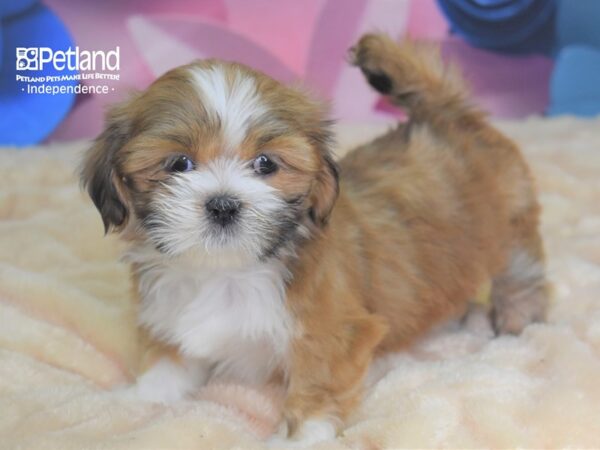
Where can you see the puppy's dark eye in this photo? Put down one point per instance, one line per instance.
(263, 165)
(180, 164)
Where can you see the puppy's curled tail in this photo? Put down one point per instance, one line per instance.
(414, 77)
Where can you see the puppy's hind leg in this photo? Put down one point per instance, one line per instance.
(520, 294)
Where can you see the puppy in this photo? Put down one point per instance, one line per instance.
(257, 257)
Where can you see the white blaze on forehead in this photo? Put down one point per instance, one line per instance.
(231, 98)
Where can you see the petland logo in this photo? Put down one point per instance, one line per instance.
(42, 70)
(36, 58)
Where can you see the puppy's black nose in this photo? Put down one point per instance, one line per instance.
(223, 209)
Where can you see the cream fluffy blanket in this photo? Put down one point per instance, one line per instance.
(67, 334)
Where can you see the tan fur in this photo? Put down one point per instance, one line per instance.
(425, 215)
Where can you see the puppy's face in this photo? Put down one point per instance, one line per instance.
(217, 160)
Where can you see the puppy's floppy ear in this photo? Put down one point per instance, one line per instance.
(326, 188)
(99, 172)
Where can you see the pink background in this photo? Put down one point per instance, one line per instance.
(289, 39)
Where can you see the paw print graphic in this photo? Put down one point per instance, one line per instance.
(27, 58)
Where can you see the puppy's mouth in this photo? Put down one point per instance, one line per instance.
(249, 224)
(221, 225)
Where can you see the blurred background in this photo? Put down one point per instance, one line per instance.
(521, 57)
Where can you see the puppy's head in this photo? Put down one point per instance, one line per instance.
(216, 159)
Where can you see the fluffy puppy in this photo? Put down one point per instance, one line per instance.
(258, 258)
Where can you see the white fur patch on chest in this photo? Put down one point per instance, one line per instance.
(234, 319)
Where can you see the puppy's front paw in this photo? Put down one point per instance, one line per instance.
(310, 432)
(166, 382)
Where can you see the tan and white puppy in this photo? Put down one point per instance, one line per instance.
(259, 258)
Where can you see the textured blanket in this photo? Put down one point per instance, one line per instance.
(68, 338)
